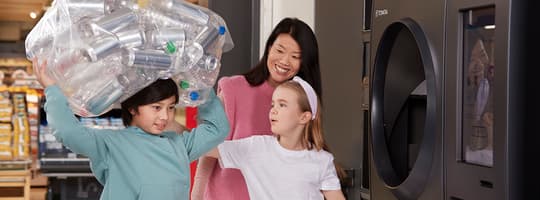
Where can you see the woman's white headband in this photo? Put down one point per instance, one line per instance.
(312, 96)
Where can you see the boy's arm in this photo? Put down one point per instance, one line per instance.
(68, 129)
(212, 129)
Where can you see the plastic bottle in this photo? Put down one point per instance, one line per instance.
(101, 47)
(103, 100)
(39, 47)
(109, 23)
(105, 44)
(158, 17)
(191, 97)
(209, 36)
(171, 40)
(113, 5)
(195, 83)
(149, 59)
(203, 74)
(85, 8)
(180, 9)
(134, 80)
(131, 38)
(196, 50)
(63, 62)
(205, 70)
(89, 95)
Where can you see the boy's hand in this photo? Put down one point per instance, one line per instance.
(40, 70)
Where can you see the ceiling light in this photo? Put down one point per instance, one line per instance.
(487, 27)
(33, 15)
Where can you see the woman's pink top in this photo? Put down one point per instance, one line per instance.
(247, 109)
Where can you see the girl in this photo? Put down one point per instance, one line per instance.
(291, 50)
(141, 161)
(293, 164)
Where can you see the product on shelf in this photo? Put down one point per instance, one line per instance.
(19, 116)
(21, 128)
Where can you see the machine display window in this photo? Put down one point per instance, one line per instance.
(478, 70)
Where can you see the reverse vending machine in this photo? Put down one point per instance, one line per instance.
(452, 107)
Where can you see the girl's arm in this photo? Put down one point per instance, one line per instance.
(205, 166)
(330, 186)
(229, 154)
(214, 153)
(333, 195)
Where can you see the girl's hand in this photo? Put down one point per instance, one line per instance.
(41, 73)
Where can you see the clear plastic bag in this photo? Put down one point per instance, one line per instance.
(101, 52)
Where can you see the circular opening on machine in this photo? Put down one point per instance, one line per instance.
(403, 108)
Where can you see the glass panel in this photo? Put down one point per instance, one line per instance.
(477, 92)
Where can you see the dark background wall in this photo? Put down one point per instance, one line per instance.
(242, 17)
(339, 30)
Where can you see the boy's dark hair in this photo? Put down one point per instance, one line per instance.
(157, 91)
(309, 64)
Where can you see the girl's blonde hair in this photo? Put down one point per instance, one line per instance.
(312, 137)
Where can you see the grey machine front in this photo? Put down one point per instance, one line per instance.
(453, 110)
(493, 111)
(406, 99)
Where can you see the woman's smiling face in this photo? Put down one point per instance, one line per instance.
(284, 58)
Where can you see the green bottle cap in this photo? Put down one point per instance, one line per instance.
(171, 48)
(184, 85)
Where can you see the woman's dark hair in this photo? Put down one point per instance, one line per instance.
(309, 64)
(157, 91)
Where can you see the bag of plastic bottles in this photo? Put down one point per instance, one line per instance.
(101, 52)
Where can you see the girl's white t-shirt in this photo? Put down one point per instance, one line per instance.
(273, 172)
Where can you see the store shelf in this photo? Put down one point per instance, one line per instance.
(18, 179)
(14, 165)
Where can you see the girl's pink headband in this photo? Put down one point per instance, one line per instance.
(312, 96)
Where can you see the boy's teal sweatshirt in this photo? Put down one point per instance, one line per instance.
(133, 164)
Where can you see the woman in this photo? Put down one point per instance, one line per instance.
(291, 50)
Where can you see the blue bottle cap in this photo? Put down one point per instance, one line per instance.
(194, 96)
(222, 30)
